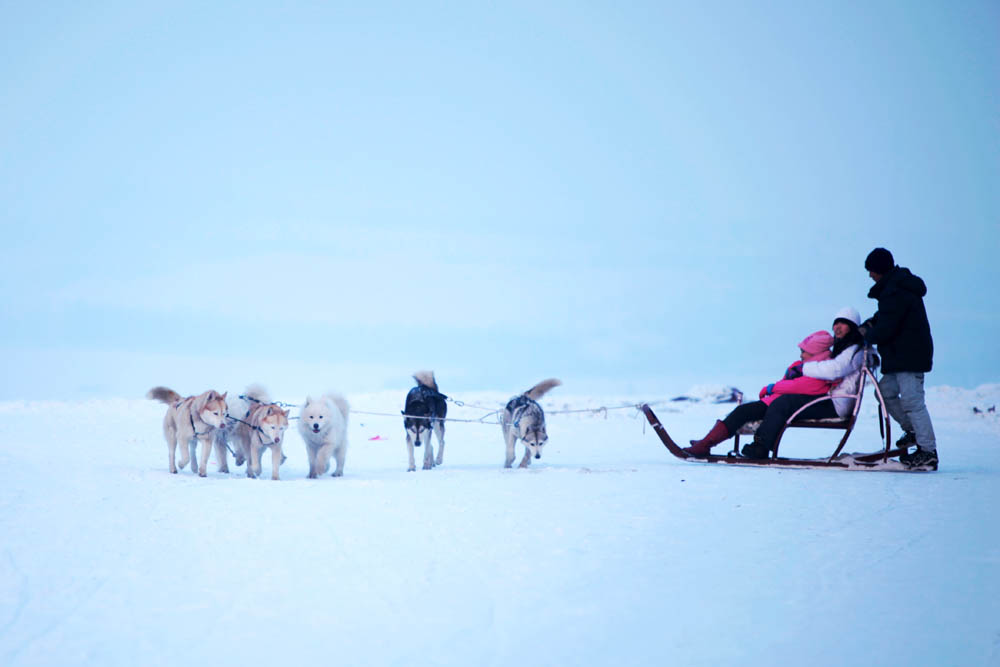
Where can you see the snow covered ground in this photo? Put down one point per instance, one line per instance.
(605, 552)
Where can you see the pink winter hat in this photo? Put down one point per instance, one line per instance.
(816, 342)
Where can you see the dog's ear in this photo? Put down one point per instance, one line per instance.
(224, 394)
(309, 400)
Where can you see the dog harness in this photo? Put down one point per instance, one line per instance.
(190, 399)
(521, 403)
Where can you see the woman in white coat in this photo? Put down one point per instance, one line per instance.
(845, 362)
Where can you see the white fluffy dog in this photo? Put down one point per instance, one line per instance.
(323, 426)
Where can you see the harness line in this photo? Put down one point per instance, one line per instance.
(492, 415)
(481, 420)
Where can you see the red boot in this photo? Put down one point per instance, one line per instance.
(702, 448)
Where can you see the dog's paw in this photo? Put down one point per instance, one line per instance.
(337, 473)
(411, 469)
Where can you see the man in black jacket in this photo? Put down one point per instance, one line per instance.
(903, 335)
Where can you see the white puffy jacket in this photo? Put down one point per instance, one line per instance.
(846, 365)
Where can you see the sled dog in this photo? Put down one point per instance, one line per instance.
(259, 425)
(239, 411)
(323, 427)
(423, 414)
(188, 421)
(221, 439)
(524, 419)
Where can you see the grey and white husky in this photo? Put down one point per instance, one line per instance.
(423, 414)
(523, 419)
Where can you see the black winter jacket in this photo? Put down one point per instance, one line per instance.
(900, 327)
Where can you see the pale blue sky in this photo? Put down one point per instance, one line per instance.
(630, 196)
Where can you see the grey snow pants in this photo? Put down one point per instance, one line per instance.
(904, 399)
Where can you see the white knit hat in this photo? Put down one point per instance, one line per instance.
(848, 313)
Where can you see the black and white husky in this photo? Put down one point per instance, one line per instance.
(423, 414)
(524, 419)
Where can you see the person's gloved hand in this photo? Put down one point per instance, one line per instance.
(793, 372)
(766, 391)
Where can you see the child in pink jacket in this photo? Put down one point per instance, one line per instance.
(778, 401)
(815, 347)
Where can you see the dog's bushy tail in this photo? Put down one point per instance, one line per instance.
(426, 378)
(542, 388)
(341, 404)
(257, 393)
(163, 395)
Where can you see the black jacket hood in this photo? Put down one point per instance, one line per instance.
(899, 278)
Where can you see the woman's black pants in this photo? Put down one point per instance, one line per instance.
(774, 416)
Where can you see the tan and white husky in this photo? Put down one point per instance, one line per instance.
(188, 421)
(262, 425)
(524, 420)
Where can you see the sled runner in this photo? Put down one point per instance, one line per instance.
(874, 461)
